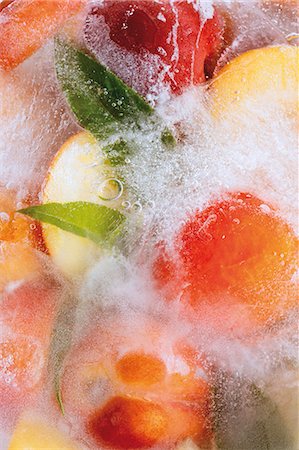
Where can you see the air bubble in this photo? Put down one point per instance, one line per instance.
(126, 204)
(4, 217)
(293, 38)
(265, 208)
(137, 206)
(111, 189)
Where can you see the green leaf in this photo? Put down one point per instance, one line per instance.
(61, 338)
(118, 152)
(95, 222)
(101, 102)
(168, 138)
(245, 418)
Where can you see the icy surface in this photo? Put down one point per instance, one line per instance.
(256, 154)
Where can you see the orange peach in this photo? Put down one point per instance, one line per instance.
(25, 26)
(18, 259)
(236, 248)
(135, 398)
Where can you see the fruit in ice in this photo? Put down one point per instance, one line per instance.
(175, 32)
(259, 78)
(78, 172)
(5, 3)
(131, 398)
(31, 432)
(26, 314)
(18, 236)
(126, 422)
(140, 369)
(237, 248)
(25, 25)
(130, 422)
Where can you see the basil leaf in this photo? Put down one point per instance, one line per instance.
(245, 418)
(101, 102)
(95, 222)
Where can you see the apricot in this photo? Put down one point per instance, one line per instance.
(25, 26)
(140, 369)
(238, 248)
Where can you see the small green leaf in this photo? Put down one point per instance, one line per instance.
(59, 399)
(168, 138)
(95, 222)
(61, 338)
(101, 102)
(118, 152)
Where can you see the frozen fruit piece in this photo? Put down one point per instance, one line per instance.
(4, 3)
(265, 77)
(239, 248)
(126, 422)
(18, 260)
(25, 25)
(78, 172)
(131, 422)
(140, 369)
(26, 314)
(175, 32)
(106, 363)
(31, 432)
(21, 361)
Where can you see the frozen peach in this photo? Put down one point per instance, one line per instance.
(255, 80)
(135, 398)
(126, 422)
(237, 248)
(32, 432)
(78, 172)
(130, 422)
(25, 26)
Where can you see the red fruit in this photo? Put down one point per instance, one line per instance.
(175, 32)
(125, 396)
(237, 248)
(126, 422)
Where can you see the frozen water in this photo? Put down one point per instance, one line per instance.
(114, 308)
(33, 122)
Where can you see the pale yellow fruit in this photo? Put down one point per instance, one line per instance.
(79, 172)
(31, 434)
(264, 79)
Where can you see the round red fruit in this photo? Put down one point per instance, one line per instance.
(236, 248)
(182, 39)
